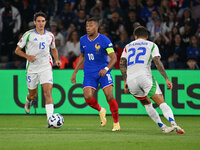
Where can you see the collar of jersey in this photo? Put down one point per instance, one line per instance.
(94, 38)
(38, 33)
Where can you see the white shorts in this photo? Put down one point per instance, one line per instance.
(42, 77)
(142, 86)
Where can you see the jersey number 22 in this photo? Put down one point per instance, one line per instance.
(137, 59)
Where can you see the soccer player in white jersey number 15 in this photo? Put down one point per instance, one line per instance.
(135, 66)
(37, 43)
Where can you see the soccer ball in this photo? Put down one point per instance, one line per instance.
(56, 120)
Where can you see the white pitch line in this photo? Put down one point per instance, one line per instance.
(17, 128)
(40, 128)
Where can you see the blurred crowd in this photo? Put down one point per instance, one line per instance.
(174, 25)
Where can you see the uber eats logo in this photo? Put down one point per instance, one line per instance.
(191, 91)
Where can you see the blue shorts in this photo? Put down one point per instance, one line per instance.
(93, 79)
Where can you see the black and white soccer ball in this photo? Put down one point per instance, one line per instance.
(56, 120)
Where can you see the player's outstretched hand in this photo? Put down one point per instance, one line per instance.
(125, 87)
(169, 84)
(73, 78)
(58, 63)
(31, 58)
(102, 72)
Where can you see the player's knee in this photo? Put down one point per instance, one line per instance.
(109, 98)
(88, 96)
(145, 102)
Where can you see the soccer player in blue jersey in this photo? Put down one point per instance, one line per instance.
(94, 50)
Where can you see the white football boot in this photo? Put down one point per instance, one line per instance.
(166, 129)
(27, 106)
(178, 129)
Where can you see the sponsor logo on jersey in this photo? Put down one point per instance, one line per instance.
(35, 39)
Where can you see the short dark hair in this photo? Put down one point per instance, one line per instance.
(191, 58)
(40, 13)
(141, 32)
(93, 19)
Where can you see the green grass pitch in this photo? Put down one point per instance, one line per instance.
(29, 132)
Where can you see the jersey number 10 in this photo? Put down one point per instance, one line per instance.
(137, 59)
(90, 56)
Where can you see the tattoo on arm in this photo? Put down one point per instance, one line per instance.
(160, 66)
(123, 67)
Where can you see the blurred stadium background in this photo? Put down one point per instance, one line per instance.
(174, 25)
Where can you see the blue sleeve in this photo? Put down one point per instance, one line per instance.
(81, 46)
(107, 43)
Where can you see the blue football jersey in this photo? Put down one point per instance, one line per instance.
(95, 52)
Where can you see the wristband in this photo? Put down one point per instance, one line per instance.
(106, 68)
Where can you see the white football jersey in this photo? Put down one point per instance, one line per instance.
(139, 54)
(39, 46)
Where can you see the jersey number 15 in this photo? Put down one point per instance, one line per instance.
(137, 59)
(41, 45)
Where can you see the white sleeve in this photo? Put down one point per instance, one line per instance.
(155, 51)
(23, 40)
(124, 53)
(53, 45)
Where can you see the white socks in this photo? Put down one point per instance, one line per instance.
(49, 110)
(167, 112)
(101, 109)
(153, 114)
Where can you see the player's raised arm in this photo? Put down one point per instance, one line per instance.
(78, 66)
(161, 69)
(19, 52)
(55, 56)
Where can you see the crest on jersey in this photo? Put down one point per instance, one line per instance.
(97, 46)
(197, 52)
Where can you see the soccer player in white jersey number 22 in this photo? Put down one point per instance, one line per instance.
(37, 43)
(135, 66)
